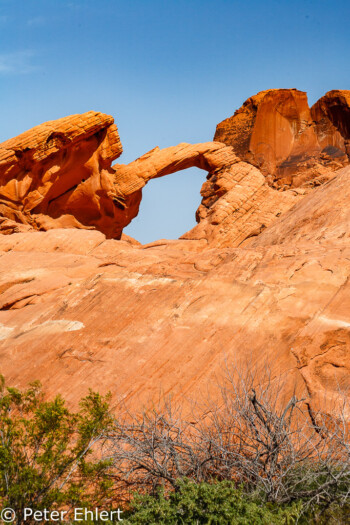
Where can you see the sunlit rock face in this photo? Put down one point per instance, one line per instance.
(237, 202)
(261, 281)
(59, 175)
(80, 311)
(290, 143)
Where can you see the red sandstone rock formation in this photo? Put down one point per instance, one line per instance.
(332, 117)
(80, 311)
(58, 175)
(262, 279)
(237, 202)
(292, 145)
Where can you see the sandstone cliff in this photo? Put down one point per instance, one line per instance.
(60, 175)
(290, 143)
(81, 311)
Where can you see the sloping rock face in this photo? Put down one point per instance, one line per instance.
(292, 145)
(237, 205)
(79, 311)
(261, 281)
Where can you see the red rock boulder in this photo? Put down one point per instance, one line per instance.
(59, 175)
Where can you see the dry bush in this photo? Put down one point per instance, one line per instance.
(280, 448)
(277, 449)
(156, 447)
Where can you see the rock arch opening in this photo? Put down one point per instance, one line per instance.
(168, 206)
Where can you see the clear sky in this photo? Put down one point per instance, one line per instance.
(167, 70)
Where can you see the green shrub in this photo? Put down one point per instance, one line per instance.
(45, 449)
(205, 503)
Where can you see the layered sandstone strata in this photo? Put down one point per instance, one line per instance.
(237, 205)
(80, 311)
(261, 281)
(237, 202)
(58, 175)
(292, 145)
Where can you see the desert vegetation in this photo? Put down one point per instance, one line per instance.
(246, 456)
(46, 452)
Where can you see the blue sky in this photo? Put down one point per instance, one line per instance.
(168, 71)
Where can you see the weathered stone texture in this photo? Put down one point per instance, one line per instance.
(292, 145)
(262, 280)
(57, 174)
(79, 311)
(237, 202)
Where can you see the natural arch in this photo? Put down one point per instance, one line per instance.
(168, 206)
(237, 202)
(59, 175)
(131, 178)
